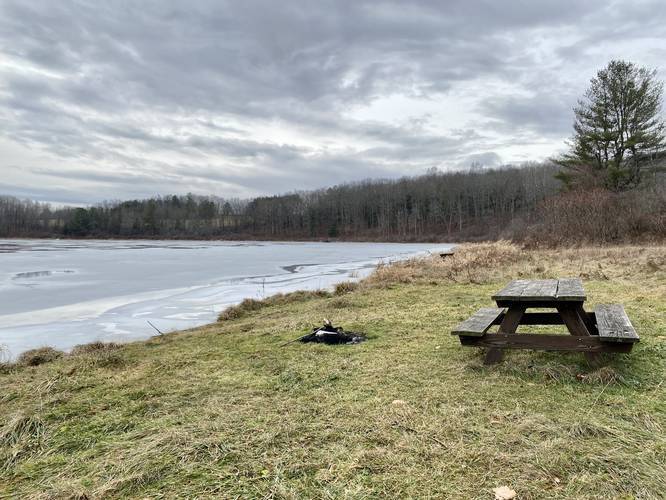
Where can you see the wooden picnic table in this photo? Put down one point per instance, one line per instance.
(607, 329)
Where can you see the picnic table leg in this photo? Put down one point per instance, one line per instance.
(574, 319)
(509, 324)
(589, 322)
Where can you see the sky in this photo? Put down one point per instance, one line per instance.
(130, 99)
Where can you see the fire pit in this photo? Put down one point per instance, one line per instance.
(329, 334)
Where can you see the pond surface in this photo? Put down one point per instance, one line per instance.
(63, 292)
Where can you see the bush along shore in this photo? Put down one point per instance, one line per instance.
(224, 410)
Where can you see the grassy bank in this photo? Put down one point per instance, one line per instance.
(223, 410)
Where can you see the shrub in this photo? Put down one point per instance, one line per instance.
(6, 368)
(5, 365)
(94, 347)
(248, 305)
(598, 216)
(345, 287)
(36, 357)
(99, 354)
(239, 310)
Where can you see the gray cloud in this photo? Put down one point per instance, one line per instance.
(116, 99)
(546, 114)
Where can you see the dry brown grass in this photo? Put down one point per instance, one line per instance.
(503, 260)
(470, 263)
(345, 287)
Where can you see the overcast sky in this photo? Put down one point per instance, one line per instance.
(118, 99)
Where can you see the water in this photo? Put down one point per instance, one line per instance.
(62, 292)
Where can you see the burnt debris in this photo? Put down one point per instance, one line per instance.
(329, 334)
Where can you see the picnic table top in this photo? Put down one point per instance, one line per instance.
(555, 290)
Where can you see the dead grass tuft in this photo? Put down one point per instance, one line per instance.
(343, 303)
(150, 458)
(36, 357)
(6, 368)
(19, 437)
(557, 372)
(70, 490)
(587, 429)
(603, 376)
(99, 355)
(345, 287)
(477, 263)
(21, 428)
(103, 359)
(503, 261)
(94, 348)
(249, 305)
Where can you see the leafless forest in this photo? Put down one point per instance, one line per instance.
(525, 203)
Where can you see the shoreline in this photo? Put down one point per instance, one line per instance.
(434, 239)
(170, 304)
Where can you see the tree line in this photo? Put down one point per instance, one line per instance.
(438, 205)
(609, 186)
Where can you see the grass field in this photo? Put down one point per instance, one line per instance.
(225, 411)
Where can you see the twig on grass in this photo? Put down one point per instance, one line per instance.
(156, 329)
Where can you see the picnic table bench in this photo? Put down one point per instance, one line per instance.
(606, 329)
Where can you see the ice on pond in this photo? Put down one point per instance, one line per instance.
(62, 293)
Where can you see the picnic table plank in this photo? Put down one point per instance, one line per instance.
(511, 291)
(613, 324)
(566, 289)
(570, 289)
(544, 342)
(539, 290)
(479, 322)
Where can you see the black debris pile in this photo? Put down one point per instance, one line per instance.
(329, 334)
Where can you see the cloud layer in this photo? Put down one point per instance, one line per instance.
(108, 100)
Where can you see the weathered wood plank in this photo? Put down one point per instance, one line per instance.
(479, 322)
(539, 290)
(613, 324)
(544, 342)
(539, 318)
(511, 319)
(530, 304)
(570, 289)
(509, 325)
(512, 291)
(574, 322)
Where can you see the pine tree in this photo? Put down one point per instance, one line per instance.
(617, 129)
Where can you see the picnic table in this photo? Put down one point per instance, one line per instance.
(606, 329)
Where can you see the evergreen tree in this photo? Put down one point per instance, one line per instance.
(617, 129)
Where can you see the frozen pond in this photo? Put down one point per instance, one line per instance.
(63, 292)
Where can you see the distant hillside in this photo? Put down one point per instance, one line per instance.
(438, 205)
